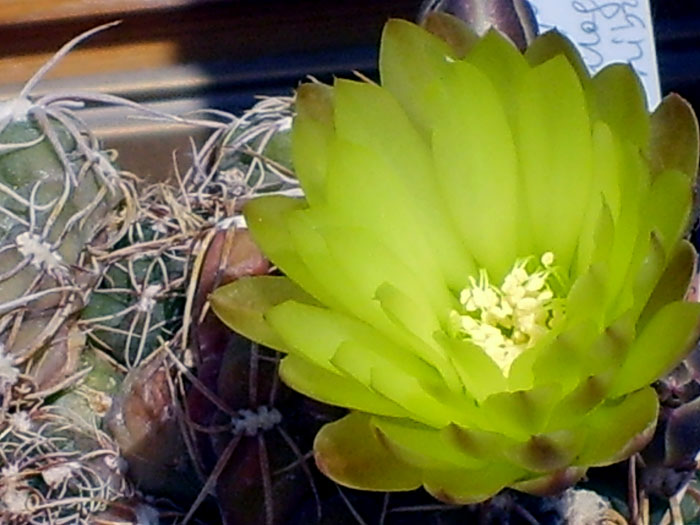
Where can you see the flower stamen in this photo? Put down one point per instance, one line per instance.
(507, 320)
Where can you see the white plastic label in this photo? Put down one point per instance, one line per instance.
(607, 31)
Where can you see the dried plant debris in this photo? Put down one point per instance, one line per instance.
(585, 507)
(55, 470)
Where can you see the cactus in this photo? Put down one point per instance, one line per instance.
(60, 194)
(54, 471)
(55, 201)
(63, 204)
(255, 156)
(141, 300)
(142, 309)
(104, 318)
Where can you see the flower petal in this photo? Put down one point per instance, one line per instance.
(551, 484)
(584, 398)
(364, 191)
(479, 374)
(674, 137)
(464, 487)
(311, 136)
(422, 446)
(547, 452)
(476, 168)
(368, 115)
(426, 401)
(368, 266)
(597, 233)
(553, 137)
(619, 428)
(243, 303)
(621, 103)
(267, 221)
(409, 59)
(311, 247)
(478, 443)
(631, 244)
(458, 35)
(360, 359)
(498, 58)
(348, 452)
(519, 414)
(587, 294)
(552, 44)
(335, 389)
(352, 263)
(674, 283)
(658, 349)
(317, 334)
(562, 362)
(419, 324)
(669, 204)
(292, 320)
(643, 276)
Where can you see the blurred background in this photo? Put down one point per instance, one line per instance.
(183, 55)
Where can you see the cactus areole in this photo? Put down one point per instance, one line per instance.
(488, 267)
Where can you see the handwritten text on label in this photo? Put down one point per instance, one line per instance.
(606, 32)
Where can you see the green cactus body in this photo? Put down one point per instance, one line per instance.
(139, 302)
(255, 156)
(58, 194)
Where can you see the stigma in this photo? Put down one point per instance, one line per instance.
(507, 320)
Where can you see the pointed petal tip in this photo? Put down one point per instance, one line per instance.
(553, 43)
(621, 102)
(399, 28)
(674, 142)
(315, 101)
(458, 35)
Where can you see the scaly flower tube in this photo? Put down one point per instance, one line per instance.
(488, 267)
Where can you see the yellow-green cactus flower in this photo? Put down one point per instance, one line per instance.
(488, 267)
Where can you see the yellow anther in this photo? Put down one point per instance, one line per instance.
(547, 259)
(536, 282)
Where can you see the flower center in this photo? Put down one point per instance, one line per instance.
(506, 321)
